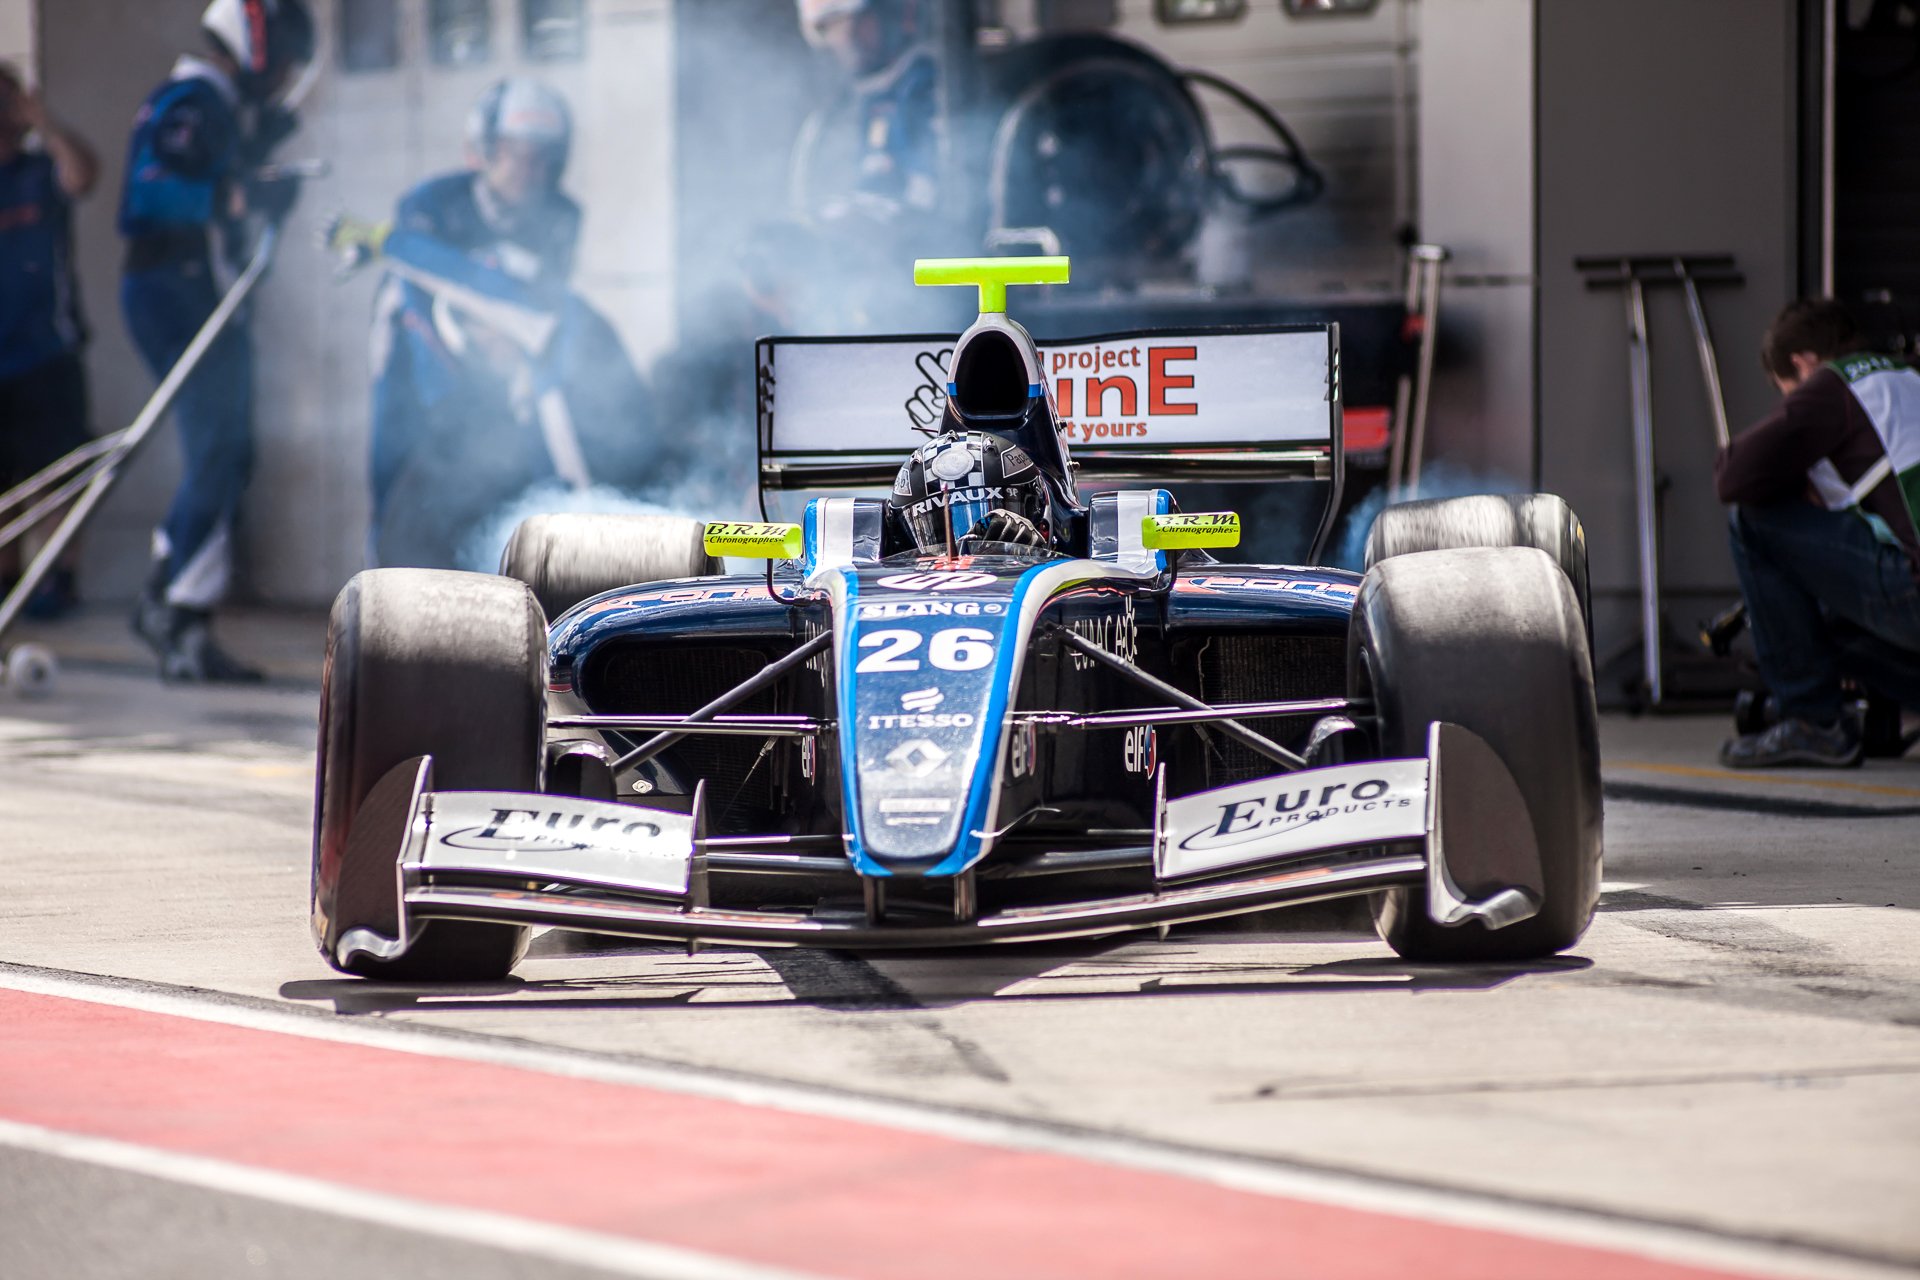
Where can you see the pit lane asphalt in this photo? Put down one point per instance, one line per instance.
(1734, 1047)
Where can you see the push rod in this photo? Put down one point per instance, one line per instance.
(766, 677)
(1246, 737)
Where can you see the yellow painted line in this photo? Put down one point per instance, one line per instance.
(1762, 779)
(274, 770)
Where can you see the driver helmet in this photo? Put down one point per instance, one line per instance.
(961, 491)
(527, 111)
(269, 39)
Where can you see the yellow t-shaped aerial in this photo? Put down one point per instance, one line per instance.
(993, 275)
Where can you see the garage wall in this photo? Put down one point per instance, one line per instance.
(16, 34)
(1347, 85)
(1477, 193)
(383, 130)
(1663, 128)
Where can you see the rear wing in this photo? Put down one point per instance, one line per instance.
(1242, 404)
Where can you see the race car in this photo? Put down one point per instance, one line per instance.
(991, 694)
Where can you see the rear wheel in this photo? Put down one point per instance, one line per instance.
(1540, 520)
(1490, 639)
(424, 662)
(568, 558)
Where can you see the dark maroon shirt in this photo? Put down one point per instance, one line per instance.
(1767, 463)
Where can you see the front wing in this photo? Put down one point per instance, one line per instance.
(1452, 823)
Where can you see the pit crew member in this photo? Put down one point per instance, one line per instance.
(1825, 493)
(500, 228)
(197, 143)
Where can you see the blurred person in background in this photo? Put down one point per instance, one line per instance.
(865, 174)
(194, 175)
(1826, 535)
(43, 387)
(885, 47)
(499, 230)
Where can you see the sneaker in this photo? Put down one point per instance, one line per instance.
(194, 658)
(153, 622)
(1838, 746)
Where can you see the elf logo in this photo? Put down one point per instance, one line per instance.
(1142, 750)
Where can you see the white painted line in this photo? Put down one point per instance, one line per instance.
(467, 1226)
(1250, 1173)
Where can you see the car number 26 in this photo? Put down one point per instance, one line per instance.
(955, 649)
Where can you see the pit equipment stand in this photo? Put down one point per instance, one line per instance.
(1633, 275)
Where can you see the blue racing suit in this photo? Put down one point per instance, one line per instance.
(898, 112)
(182, 160)
(453, 240)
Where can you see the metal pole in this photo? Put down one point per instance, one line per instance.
(1640, 367)
(73, 462)
(1703, 342)
(1429, 256)
(156, 406)
(1403, 394)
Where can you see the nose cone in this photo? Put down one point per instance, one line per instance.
(925, 660)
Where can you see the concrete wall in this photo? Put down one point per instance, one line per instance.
(1348, 87)
(1663, 128)
(1477, 185)
(16, 34)
(305, 523)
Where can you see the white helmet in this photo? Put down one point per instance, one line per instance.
(526, 110)
(815, 14)
(265, 37)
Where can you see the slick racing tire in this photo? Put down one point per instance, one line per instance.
(1540, 520)
(569, 558)
(426, 662)
(1490, 639)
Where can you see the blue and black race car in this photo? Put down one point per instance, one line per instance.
(992, 694)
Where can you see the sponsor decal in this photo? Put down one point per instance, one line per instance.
(1143, 385)
(916, 804)
(545, 831)
(928, 401)
(1141, 750)
(1240, 821)
(927, 720)
(1183, 532)
(697, 595)
(914, 811)
(883, 610)
(950, 649)
(820, 663)
(948, 498)
(903, 481)
(921, 699)
(1372, 802)
(936, 580)
(1210, 582)
(916, 759)
(1118, 634)
(809, 759)
(951, 461)
(753, 541)
(1023, 751)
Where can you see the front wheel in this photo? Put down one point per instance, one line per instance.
(1490, 639)
(424, 662)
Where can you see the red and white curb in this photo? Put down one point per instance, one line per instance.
(669, 1172)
